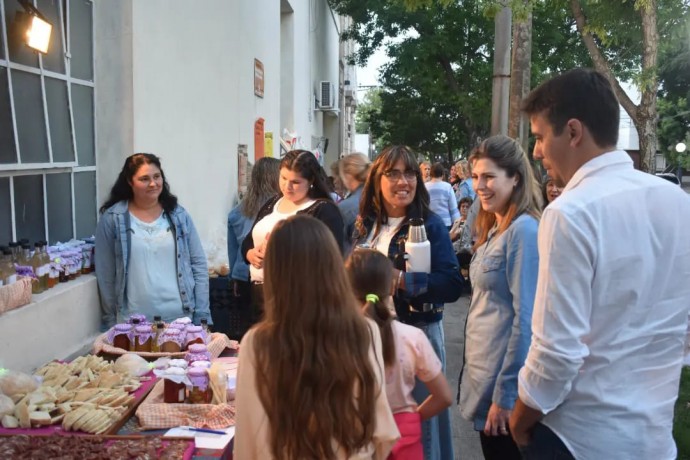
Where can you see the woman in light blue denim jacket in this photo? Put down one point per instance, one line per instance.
(504, 279)
(149, 258)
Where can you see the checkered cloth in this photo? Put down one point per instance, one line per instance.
(154, 414)
(218, 343)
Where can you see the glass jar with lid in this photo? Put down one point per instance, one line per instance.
(120, 336)
(200, 389)
(170, 341)
(174, 388)
(197, 352)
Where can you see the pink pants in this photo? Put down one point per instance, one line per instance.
(409, 446)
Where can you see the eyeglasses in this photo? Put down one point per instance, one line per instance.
(394, 175)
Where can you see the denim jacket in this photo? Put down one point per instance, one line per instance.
(238, 228)
(442, 285)
(113, 246)
(498, 331)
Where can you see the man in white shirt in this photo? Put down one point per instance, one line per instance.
(613, 293)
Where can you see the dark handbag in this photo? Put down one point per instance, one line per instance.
(230, 306)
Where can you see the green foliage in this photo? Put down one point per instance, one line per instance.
(437, 83)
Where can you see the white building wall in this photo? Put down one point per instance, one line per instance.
(176, 78)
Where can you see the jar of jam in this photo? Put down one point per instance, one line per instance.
(197, 352)
(184, 321)
(200, 390)
(120, 336)
(142, 338)
(170, 341)
(194, 334)
(174, 388)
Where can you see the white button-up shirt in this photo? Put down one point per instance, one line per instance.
(610, 313)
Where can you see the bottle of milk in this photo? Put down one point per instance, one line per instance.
(417, 248)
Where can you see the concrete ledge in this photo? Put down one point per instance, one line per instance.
(55, 325)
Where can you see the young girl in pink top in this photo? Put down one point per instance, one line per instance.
(407, 353)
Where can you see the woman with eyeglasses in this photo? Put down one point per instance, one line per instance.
(149, 258)
(304, 189)
(393, 194)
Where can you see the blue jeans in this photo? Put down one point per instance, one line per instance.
(437, 436)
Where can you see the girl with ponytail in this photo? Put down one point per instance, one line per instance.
(407, 353)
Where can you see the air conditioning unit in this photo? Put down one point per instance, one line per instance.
(326, 95)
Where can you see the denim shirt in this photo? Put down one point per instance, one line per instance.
(498, 331)
(238, 228)
(349, 208)
(113, 246)
(440, 286)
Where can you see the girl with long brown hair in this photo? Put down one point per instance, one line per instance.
(310, 378)
(407, 353)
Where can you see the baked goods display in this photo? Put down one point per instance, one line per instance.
(84, 395)
(23, 447)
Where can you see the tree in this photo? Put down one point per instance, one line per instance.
(622, 38)
(437, 84)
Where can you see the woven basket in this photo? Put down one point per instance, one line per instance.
(16, 294)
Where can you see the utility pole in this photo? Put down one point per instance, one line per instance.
(518, 126)
(500, 95)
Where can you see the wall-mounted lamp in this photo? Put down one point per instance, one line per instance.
(35, 28)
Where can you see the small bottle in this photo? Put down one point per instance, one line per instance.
(53, 271)
(205, 328)
(14, 251)
(3, 274)
(200, 391)
(39, 264)
(158, 329)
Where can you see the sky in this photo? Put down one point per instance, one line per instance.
(367, 76)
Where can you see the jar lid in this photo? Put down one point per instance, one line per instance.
(123, 327)
(175, 371)
(196, 372)
(172, 332)
(143, 328)
(178, 363)
(183, 320)
(201, 364)
(197, 348)
(140, 317)
(176, 326)
(193, 329)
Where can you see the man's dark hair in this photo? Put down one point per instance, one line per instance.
(583, 94)
(437, 170)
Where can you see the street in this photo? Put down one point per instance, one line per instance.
(465, 439)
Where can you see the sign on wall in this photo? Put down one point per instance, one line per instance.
(242, 169)
(268, 144)
(258, 78)
(258, 138)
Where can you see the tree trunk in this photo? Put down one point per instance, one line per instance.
(644, 115)
(520, 79)
(647, 119)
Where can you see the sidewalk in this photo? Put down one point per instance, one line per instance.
(465, 439)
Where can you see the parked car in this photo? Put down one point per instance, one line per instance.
(669, 177)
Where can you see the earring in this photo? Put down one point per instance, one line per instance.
(311, 186)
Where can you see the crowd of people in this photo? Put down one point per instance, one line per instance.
(579, 301)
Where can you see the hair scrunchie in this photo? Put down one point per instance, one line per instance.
(373, 298)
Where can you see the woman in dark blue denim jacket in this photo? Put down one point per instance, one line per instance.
(394, 193)
(149, 258)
